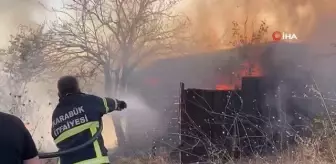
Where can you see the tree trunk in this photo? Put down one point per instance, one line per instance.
(123, 81)
(108, 82)
(115, 115)
(122, 89)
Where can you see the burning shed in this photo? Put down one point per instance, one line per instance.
(279, 80)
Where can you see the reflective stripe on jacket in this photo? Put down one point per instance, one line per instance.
(75, 120)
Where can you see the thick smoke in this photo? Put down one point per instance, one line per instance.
(16, 12)
(142, 121)
(37, 102)
(212, 19)
(312, 21)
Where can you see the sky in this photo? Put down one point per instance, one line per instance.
(16, 12)
(210, 18)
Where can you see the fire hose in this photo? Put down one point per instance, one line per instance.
(44, 155)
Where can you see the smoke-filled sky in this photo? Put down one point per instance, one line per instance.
(213, 18)
(16, 12)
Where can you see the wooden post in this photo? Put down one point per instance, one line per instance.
(180, 110)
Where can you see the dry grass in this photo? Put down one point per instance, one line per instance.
(143, 160)
(310, 151)
(320, 149)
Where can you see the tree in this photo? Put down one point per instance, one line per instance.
(247, 40)
(111, 37)
(24, 57)
(24, 63)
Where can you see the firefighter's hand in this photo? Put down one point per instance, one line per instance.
(121, 105)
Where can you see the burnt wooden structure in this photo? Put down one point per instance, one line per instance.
(263, 117)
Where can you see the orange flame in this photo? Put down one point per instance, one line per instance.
(224, 87)
(250, 67)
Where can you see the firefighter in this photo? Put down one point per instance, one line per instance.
(16, 143)
(75, 121)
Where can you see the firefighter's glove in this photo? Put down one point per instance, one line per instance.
(121, 105)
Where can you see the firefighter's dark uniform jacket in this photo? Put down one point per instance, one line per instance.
(75, 121)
